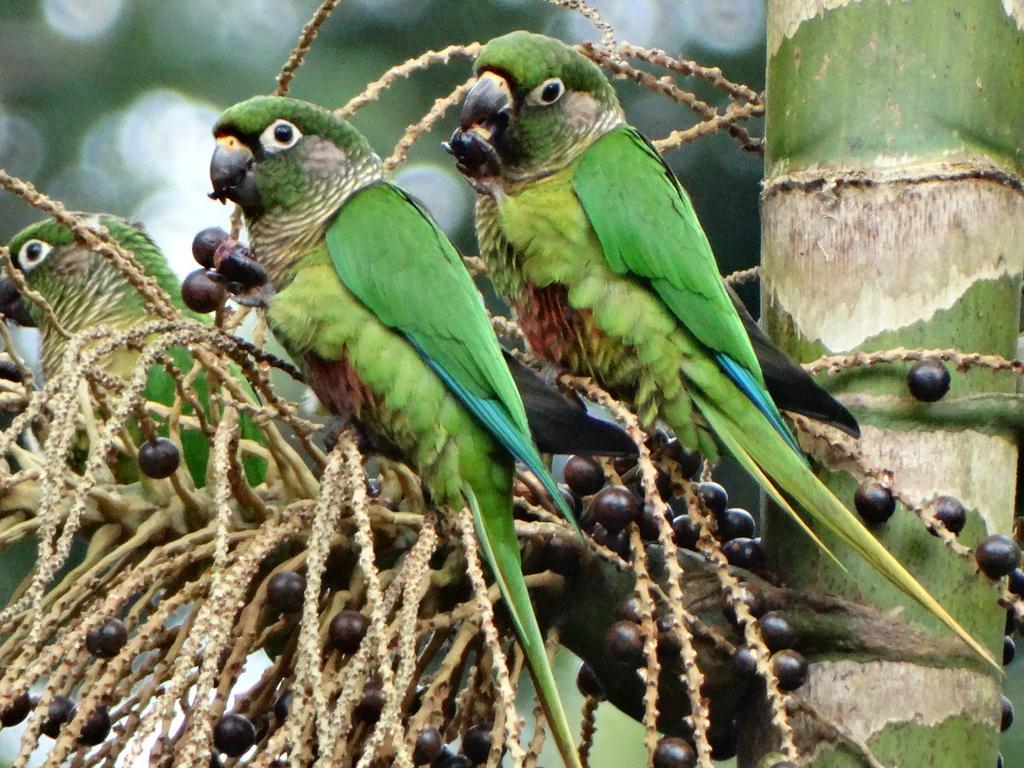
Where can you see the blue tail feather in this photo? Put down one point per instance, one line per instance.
(759, 397)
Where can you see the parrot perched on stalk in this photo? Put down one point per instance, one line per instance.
(592, 240)
(85, 290)
(373, 302)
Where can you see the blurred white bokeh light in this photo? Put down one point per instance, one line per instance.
(164, 138)
(21, 145)
(636, 21)
(81, 19)
(156, 151)
(724, 26)
(236, 32)
(399, 12)
(444, 194)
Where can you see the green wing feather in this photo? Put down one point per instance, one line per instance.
(651, 231)
(392, 256)
(647, 227)
(394, 259)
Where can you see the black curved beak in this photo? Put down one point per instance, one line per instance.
(486, 112)
(488, 107)
(12, 306)
(231, 174)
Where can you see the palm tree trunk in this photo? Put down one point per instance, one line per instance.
(893, 216)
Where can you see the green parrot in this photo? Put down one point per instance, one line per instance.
(85, 290)
(592, 240)
(373, 302)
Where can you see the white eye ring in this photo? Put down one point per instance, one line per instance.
(280, 135)
(32, 254)
(547, 93)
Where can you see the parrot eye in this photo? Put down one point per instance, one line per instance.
(32, 254)
(280, 135)
(548, 92)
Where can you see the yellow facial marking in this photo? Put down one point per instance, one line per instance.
(232, 143)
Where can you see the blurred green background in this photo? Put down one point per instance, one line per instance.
(107, 105)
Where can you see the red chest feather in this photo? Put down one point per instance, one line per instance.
(338, 386)
(551, 326)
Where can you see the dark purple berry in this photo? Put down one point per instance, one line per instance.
(282, 705)
(370, 704)
(476, 744)
(1017, 582)
(234, 734)
(951, 513)
(1009, 650)
(347, 630)
(428, 746)
(583, 475)
(624, 644)
(1006, 714)
(714, 497)
(790, 669)
(735, 524)
(17, 710)
(629, 610)
(689, 462)
(443, 757)
(663, 485)
(777, 632)
(200, 293)
(669, 645)
(648, 523)
(205, 243)
(158, 458)
(10, 371)
(685, 532)
(286, 591)
(874, 503)
(997, 556)
(723, 741)
(928, 380)
(588, 682)
(617, 542)
(561, 555)
(744, 553)
(623, 465)
(673, 752)
(751, 600)
(744, 662)
(60, 711)
(615, 508)
(106, 640)
(96, 727)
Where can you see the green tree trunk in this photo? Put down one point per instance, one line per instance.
(893, 216)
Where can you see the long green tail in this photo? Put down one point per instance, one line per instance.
(496, 531)
(755, 444)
